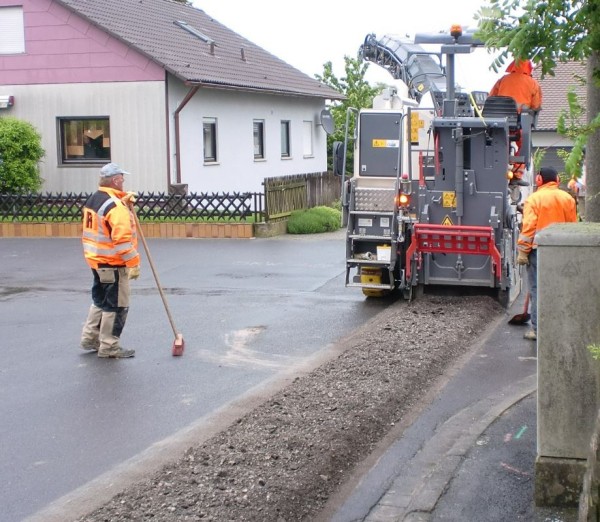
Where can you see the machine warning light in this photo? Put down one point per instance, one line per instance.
(402, 200)
(456, 30)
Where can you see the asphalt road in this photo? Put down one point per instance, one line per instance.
(249, 310)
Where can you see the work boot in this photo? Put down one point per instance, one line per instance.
(519, 182)
(531, 335)
(110, 330)
(89, 347)
(121, 353)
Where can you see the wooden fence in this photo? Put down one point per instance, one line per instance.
(284, 194)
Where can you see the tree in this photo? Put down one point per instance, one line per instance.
(551, 31)
(20, 154)
(570, 124)
(359, 94)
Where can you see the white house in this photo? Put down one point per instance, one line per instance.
(160, 88)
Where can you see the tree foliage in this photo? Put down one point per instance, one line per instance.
(20, 154)
(571, 124)
(549, 31)
(359, 95)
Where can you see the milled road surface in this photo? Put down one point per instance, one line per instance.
(282, 460)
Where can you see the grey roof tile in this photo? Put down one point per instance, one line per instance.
(554, 92)
(148, 26)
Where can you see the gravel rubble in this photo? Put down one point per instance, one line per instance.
(283, 460)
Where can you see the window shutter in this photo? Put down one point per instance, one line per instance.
(12, 30)
(307, 138)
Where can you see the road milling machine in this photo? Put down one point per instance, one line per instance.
(429, 201)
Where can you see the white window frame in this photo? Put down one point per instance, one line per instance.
(12, 30)
(258, 131)
(210, 148)
(286, 139)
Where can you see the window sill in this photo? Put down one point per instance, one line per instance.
(309, 156)
(286, 158)
(211, 163)
(260, 160)
(87, 164)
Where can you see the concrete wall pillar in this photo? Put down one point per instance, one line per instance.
(568, 376)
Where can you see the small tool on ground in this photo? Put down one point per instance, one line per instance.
(179, 343)
(524, 317)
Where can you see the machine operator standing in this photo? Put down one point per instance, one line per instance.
(110, 249)
(548, 204)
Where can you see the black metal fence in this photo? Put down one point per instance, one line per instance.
(243, 206)
(282, 196)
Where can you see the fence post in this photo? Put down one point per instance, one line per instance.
(179, 191)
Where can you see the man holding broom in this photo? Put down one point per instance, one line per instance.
(110, 249)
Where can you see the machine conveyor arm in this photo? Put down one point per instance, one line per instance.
(419, 69)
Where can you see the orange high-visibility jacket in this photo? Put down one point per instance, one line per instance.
(548, 204)
(109, 231)
(520, 86)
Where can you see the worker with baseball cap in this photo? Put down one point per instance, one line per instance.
(110, 249)
(111, 169)
(548, 204)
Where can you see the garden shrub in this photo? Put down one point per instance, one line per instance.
(20, 153)
(314, 220)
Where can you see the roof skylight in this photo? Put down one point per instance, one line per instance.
(194, 31)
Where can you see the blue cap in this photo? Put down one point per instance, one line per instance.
(548, 174)
(111, 169)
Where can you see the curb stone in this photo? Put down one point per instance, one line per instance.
(414, 494)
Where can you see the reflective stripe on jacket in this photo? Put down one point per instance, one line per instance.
(548, 204)
(109, 231)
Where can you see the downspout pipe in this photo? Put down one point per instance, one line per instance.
(183, 103)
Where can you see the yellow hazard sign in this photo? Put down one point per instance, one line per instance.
(447, 222)
(416, 123)
(448, 199)
(385, 144)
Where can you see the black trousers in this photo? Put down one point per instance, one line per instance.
(110, 293)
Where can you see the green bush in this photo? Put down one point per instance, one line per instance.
(314, 220)
(337, 204)
(20, 153)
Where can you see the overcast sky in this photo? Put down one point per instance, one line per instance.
(308, 33)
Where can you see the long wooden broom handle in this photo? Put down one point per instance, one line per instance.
(154, 273)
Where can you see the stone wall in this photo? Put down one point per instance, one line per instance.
(588, 503)
(568, 375)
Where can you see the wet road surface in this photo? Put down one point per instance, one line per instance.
(248, 310)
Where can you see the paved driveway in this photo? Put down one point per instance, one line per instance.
(248, 310)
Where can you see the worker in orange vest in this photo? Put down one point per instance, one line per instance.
(519, 84)
(110, 249)
(548, 204)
